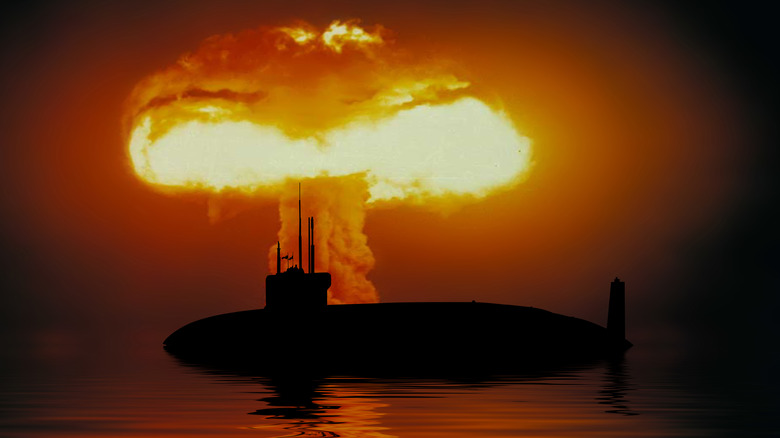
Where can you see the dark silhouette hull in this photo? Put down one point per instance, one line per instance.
(394, 336)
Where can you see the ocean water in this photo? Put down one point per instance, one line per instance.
(64, 388)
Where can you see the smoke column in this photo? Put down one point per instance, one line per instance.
(339, 208)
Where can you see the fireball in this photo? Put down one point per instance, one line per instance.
(365, 121)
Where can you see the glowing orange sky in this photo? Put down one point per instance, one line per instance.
(639, 151)
(255, 110)
(613, 170)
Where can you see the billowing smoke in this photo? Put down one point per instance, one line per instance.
(341, 247)
(358, 119)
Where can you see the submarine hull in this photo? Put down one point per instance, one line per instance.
(394, 336)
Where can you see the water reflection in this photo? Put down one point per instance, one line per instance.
(305, 406)
(116, 393)
(540, 402)
(617, 385)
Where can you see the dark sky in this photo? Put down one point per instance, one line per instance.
(734, 278)
(87, 245)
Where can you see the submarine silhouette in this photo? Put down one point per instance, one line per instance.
(298, 329)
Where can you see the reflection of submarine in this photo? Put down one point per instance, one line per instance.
(298, 328)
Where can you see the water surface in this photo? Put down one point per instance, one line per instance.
(65, 390)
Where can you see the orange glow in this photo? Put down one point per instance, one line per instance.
(299, 34)
(459, 148)
(335, 37)
(212, 122)
(254, 111)
(339, 34)
(643, 150)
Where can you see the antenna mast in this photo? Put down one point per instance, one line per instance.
(300, 243)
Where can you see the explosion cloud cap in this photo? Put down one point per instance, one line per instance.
(253, 110)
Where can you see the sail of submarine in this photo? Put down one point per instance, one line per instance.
(297, 324)
(294, 289)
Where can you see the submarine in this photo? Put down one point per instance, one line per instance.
(298, 330)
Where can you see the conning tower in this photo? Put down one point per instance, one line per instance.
(294, 289)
